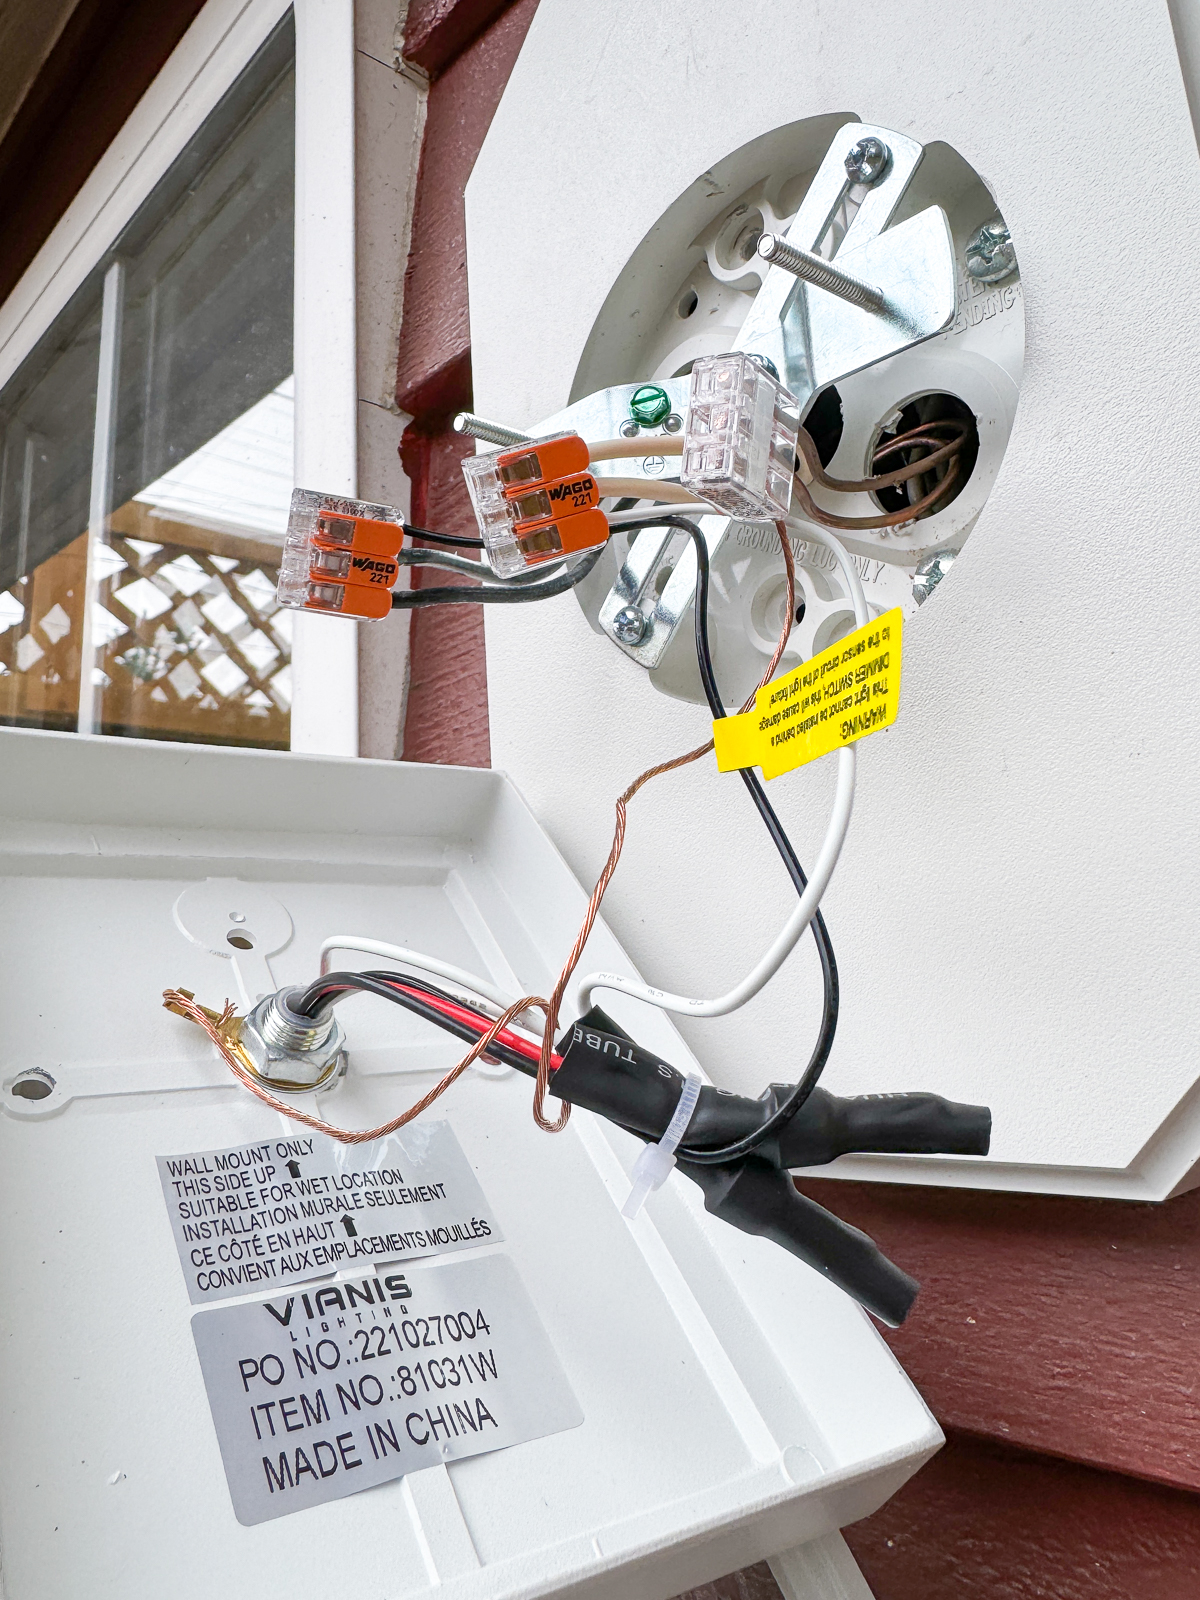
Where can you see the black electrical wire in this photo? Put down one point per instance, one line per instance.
(493, 594)
(334, 984)
(451, 539)
(829, 973)
(375, 984)
(474, 569)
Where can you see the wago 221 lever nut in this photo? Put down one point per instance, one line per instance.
(739, 439)
(535, 502)
(339, 556)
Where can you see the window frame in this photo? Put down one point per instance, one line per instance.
(204, 65)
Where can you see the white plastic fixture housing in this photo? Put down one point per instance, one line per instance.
(735, 1404)
(1014, 913)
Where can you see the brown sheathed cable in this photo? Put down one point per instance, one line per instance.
(892, 519)
(887, 480)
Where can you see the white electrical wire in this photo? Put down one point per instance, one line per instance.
(414, 958)
(695, 508)
(806, 909)
(635, 449)
(645, 489)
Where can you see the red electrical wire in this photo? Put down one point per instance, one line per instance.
(529, 1048)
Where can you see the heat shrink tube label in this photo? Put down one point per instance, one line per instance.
(283, 1210)
(328, 1390)
(850, 689)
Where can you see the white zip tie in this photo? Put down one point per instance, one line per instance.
(653, 1165)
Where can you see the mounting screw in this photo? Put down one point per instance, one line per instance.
(673, 423)
(990, 253)
(649, 405)
(629, 429)
(629, 625)
(930, 573)
(868, 161)
(490, 432)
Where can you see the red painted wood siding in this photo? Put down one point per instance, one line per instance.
(1069, 1326)
(446, 718)
(986, 1522)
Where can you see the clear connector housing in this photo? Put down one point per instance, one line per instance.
(315, 522)
(494, 515)
(739, 443)
(534, 501)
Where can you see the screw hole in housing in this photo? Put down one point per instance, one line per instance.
(240, 940)
(688, 302)
(32, 1086)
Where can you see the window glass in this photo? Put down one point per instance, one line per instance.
(146, 464)
(47, 413)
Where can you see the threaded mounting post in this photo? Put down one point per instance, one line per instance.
(820, 273)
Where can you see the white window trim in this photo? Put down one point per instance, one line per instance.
(205, 63)
(325, 649)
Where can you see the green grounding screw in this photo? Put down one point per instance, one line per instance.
(650, 405)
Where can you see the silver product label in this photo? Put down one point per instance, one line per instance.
(335, 1388)
(286, 1209)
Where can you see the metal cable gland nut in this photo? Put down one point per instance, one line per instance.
(990, 253)
(868, 160)
(289, 1049)
(629, 625)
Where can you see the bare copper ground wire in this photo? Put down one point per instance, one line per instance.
(614, 855)
(217, 1025)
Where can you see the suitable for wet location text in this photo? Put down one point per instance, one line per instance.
(282, 1210)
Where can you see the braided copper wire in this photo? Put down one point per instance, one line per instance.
(216, 1025)
(614, 855)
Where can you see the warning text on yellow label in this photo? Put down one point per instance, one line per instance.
(851, 689)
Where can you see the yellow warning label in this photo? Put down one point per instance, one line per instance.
(829, 701)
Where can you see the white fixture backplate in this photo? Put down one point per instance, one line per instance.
(735, 1405)
(1015, 912)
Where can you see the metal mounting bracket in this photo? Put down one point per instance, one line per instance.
(813, 337)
